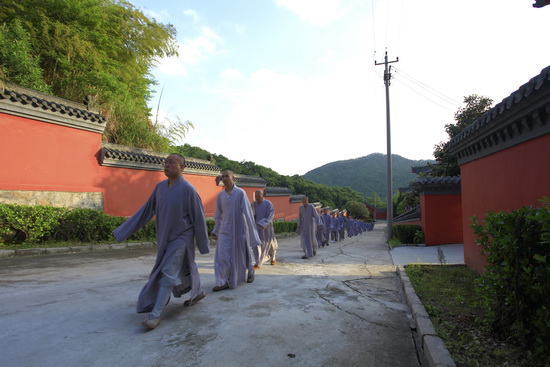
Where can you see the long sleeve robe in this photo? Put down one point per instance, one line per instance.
(180, 221)
(307, 227)
(264, 224)
(236, 231)
(327, 227)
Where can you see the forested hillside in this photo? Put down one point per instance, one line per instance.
(335, 197)
(366, 174)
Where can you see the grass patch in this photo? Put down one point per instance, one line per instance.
(449, 296)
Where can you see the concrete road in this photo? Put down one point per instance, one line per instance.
(341, 308)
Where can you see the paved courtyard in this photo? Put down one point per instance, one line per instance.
(341, 308)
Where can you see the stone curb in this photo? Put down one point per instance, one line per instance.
(434, 349)
(74, 249)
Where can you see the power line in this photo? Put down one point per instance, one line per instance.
(427, 88)
(424, 96)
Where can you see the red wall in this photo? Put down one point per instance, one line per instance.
(505, 181)
(281, 204)
(441, 219)
(40, 156)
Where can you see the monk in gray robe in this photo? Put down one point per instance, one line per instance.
(263, 216)
(235, 232)
(307, 228)
(180, 223)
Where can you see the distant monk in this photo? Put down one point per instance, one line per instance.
(264, 224)
(327, 227)
(307, 227)
(180, 221)
(319, 231)
(342, 220)
(235, 232)
(334, 230)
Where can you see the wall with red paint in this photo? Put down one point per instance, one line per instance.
(40, 156)
(504, 181)
(441, 219)
(281, 204)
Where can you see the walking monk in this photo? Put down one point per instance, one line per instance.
(180, 223)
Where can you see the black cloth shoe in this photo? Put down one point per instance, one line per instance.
(192, 302)
(220, 287)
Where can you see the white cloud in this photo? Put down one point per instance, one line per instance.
(193, 14)
(317, 12)
(231, 74)
(158, 16)
(192, 51)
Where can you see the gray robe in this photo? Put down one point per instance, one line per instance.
(236, 231)
(264, 224)
(180, 222)
(307, 227)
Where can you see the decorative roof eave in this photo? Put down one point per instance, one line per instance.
(421, 169)
(438, 185)
(277, 191)
(410, 215)
(249, 181)
(296, 198)
(522, 116)
(115, 155)
(27, 103)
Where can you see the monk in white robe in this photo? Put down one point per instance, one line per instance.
(180, 222)
(263, 216)
(235, 232)
(307, 228)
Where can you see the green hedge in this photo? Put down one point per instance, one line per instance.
(516, 283)
(278, 226)
(406, 233)
(284, 227)
(38, 224)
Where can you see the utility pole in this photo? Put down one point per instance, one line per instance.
(387, 78)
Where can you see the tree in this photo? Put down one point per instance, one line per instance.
(447, 164)
(405, 201)
(100, 48)
(357, 209)
(17, 62)
(375, 200)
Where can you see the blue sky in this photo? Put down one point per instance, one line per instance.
(292, 85)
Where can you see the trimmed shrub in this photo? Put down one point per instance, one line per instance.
(210, 224)
(516, 283)
(84, 225)
(405, 233)
(30, 224)
(284, 227)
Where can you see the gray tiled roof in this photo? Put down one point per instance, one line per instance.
(23, 102)
(413, 214)
(438, 185)
(420, 169)
(250, 181)
(115, 155)
(522, 116)
(296, 198)
(277, 191)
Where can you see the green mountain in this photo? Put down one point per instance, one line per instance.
(367, 174)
